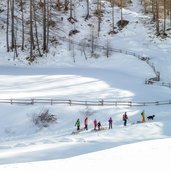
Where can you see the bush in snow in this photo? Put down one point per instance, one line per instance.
(44, 119)
(87, 111)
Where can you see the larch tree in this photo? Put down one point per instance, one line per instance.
(7, 25)
(12, 25)
(164, 19)
(35, 28)
(99, 13)
(66, 5)
(121, 6)
(31, 32)
(22, 20)
(88, 10)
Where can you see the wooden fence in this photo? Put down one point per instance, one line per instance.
(82, 103)
(153, 80)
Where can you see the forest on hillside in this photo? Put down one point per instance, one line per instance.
(30, 24)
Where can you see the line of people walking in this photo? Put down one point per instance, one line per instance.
(97, 124)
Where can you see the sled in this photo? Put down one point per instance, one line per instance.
(97, 130)
(138, 122)
(77, 131)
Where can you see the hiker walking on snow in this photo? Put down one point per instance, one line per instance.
(78, 124)
(99, 125)
(125, 118)
(143, 116)
(95, 124)
(110, 123)
(86, 123)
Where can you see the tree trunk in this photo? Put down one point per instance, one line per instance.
(71, 16)
(36, 32)
(12, 25)
(157, 17)
(88, 11)
(170, 11)
(164, 21)
(92, 43)
(48, 21)
(99, 15)
(7, 32)
(113, 17)
(154, 9)
(22, 18)
(44, 27)
(66, 5)
(31, 32)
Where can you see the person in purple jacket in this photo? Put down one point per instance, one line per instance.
(110, 123)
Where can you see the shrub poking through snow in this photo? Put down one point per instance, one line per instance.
(87, 111)
(44, 119)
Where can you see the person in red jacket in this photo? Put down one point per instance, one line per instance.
(95, 124)
(86, 123)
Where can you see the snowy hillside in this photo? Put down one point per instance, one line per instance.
(26, 146)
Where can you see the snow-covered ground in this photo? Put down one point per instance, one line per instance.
(147, 155)
(23, 146)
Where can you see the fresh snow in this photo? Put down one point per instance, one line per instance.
(147, 155)
(24, 147)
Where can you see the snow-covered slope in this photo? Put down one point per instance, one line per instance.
(148, 155)
(23, 146)
(22, 142)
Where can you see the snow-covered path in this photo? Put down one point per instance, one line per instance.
(25, 147)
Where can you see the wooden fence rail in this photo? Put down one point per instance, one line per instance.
(82, 103)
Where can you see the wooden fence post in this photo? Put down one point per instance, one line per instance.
(157, 103)
(101, 102)
(32, 101)
(158, 76)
